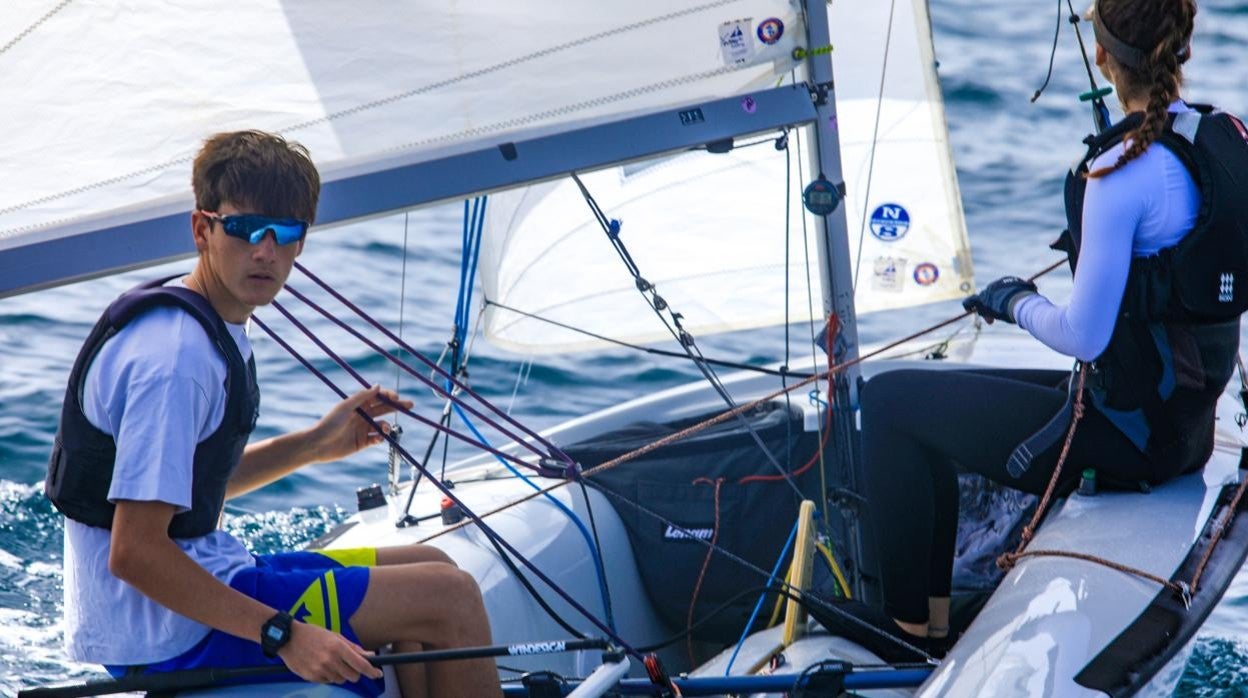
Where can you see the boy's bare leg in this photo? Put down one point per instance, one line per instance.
(407, 554)
(436, 606)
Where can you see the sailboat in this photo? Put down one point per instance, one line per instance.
(656, 109)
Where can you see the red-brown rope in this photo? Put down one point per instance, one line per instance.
(1008, 560)
(1029, 531)
(724, 416)
(706, 562)
(1218, 531)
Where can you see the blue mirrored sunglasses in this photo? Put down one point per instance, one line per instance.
(252, 227)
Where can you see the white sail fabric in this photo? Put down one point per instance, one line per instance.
(104, 103)
(709, 230)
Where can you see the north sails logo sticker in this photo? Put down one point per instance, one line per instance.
(536, 648)
(673, 533)
(889, 222)
(1226, 288)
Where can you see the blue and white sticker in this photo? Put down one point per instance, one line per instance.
(736, 42)
(770, 30)
(890, 222)
(926, 274)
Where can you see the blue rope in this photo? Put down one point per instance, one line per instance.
(474, 225)
(762, 597)
(589, 541)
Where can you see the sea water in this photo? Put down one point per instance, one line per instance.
(1010, 154)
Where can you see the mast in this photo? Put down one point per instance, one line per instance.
(837, 283)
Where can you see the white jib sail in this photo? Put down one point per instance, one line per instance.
(709, 231)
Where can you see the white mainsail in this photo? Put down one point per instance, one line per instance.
(710, 230)
(103, 104)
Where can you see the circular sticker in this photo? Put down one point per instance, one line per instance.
(748, 105)
(926, 274)
(770, 30)
(889, 222)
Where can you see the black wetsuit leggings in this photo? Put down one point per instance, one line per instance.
(919, 425)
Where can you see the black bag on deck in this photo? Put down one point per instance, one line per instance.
(677, 482)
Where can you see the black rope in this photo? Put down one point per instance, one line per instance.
(598, 561)
(648, 350)
(406, 519)
(683, 337)
(533, 592)
(1052, 54)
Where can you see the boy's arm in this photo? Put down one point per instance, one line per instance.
(338, 434)
(143, 556)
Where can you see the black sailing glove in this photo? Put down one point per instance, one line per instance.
(999, 298)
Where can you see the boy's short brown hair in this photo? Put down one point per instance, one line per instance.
(258, 172)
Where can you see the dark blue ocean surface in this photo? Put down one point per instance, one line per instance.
(1010, 155)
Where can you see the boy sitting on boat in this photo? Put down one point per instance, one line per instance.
(154, 436)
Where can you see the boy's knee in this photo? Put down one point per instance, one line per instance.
(433, 554)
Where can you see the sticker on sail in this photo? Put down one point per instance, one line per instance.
(888, 274)
(770, 30)
(748, 105)
(926, 274)
(890, 222)
(736, 41)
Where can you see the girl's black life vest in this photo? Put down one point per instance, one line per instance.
(1175, 342)
(80, 470)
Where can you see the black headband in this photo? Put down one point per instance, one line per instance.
(1126, 54)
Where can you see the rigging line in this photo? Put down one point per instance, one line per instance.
(788, 200)
(875, 139)
(689, 431)
(33, 26)
(784, 554)
(441, 391)
(402, 303)
(814, 344)
(444, 420)
(355, 374)
(473, 517)
(515, 390)
(594, 551)
(647, 350)
(1057, 30)
(684, 338)
(554, 450)
(602, 568)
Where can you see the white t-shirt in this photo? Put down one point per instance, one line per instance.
(1147, 205)
(158, 387)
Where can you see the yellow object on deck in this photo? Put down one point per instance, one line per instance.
(800, 571)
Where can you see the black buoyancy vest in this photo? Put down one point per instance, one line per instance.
(1176, 339)
(80, 470)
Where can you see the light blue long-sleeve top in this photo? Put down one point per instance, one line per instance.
(1147, 205)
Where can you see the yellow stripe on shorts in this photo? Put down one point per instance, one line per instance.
(318, 604)
(352, 557)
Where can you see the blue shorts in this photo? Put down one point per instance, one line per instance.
(322, 588)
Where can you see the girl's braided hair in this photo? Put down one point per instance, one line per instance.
(1161, 31)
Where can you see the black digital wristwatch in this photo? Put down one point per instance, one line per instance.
(275, 633)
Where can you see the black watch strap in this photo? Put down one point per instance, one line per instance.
(275, 633)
